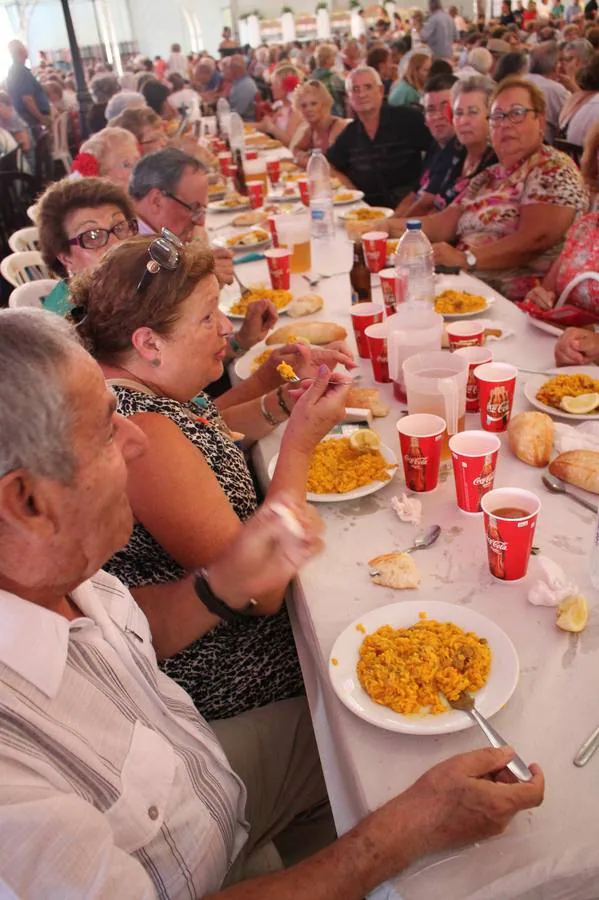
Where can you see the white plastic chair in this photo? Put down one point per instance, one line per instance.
(24, 239)
(60, 141)
(19, 268)
(31, 294)
(33, 212)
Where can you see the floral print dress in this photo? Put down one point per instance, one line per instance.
(581, 254)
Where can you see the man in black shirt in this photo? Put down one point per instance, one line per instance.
(380, 152)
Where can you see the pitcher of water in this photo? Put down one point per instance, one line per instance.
(436, 383)
(410, 331)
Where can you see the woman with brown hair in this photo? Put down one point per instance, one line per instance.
(408, 90)
(320, 128)
(146, 127)
(149, 314)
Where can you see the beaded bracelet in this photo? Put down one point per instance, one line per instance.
(281, 399)
(268, 416)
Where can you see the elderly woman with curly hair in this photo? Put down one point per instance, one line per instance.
(111, 154)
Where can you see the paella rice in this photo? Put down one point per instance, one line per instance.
(280, 299)
(552, 391)
(449, 302)
(366, 214)
(409, 669)
(286, 372)
(336, 468)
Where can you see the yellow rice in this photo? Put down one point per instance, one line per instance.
(458, 302)
(279, 298)
(336, 468)
(409, 669)
(561, 386)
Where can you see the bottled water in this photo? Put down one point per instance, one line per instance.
(321, 196)
(415, 262)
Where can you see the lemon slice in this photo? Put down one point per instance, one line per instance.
(364, 439)
(584, 403)
(573, 613)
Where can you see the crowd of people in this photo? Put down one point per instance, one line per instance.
(152, 600)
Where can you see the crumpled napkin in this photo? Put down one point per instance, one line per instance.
(553, 588)
(408, 509)
(581, 437)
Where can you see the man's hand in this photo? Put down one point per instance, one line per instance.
(223, 265)
(446, 255)
(577, 347)
(260, 317)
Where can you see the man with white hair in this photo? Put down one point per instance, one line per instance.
(479, 62)
(380, 151)
(573, 56)
(207, 80)
(543, 73)
(111, 783)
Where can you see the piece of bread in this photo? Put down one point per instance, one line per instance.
(314, 332)
(305, 305)
(397, 570)
(578, 467)
(252, 217)
(530, 435)
(367, 398)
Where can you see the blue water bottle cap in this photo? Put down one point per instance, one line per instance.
(413, 224)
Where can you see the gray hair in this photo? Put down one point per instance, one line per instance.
(481, 60)
(543, 58)
(583, 49)
(35, 415)
(163, 170)
(103, 87)
(103, 143)
(123, 100)
(471, 85)
(359, 70)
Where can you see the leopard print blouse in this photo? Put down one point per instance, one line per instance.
(236, 666)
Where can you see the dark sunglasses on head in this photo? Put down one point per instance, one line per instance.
(164, 253)
(96, 238)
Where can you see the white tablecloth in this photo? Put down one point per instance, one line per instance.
(548, 853)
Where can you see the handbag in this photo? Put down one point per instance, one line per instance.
(563, 314)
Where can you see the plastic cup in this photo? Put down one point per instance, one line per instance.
(465, 334)
(390, 286)
(272, 227)
(273, 169)
(420, 441)
(256, 193)
(304, 191)
(474, 456)
(251, 154)
(496, 385)
(363, 315)
(376, 335)
(509, 538)
(224, 160)
(375, 249)
(278, 260)
(476, 356)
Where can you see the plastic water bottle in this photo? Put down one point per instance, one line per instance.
(321, 195)
(415, 262)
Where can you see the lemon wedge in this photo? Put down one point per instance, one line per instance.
(364, 439)
(584, 403)
(573, 613)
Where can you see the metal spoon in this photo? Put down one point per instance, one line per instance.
(557, 486)
(421, 542)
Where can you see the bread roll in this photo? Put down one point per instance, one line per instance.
(305, 305)
(578, 467)
(367, 398)
(252, 217)
(314, 332)
(530, 435)
(396, 570)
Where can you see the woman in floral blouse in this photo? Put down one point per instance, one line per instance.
(508, 225)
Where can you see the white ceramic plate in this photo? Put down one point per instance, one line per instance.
(545, 326)
(384, 211)
(229, 295)
(355, 196)
(363, 491)
(242, 248)
(280, 197)
(536, 381)
(449, 317)
(217, 206)
(500, 685)
(244, 365)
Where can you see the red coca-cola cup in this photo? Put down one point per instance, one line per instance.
(420, 441)
(375, 249)
(224, 160)
(363, 315)
(278, 260)
(272, 227)
(392, 289)
(256, 194)
(465, 334)
(474, 456)
(496, 385)
(376, 335)
(476, 356)
(510, 518)
(251, 154)
(304, 190)
(273, 168)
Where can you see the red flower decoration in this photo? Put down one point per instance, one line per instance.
(85, 164)
(290, 82)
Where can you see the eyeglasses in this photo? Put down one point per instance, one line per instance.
(164, 253)
(515, 116)
(96, 238)
(197, 210)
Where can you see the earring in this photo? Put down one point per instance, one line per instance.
(155, 362)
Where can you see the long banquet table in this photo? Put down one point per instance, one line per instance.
(551, 853)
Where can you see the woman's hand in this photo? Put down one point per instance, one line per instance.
(577, 347)
(307, 360)
(319, 406)
(260, 317)
(265, 125)
(540, 297)
(446, 255)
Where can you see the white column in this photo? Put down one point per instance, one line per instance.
(254, 31)
(323, 24)
(288, 27)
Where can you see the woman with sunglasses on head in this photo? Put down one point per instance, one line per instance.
(508, 225)
(320, 128)
(149, 315)
(78, 221)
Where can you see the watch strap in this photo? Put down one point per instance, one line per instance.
(217, 606)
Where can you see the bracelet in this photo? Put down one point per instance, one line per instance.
(281, 399)
(268, 416)
(214, 604)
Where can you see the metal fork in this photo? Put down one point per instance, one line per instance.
(245, 291)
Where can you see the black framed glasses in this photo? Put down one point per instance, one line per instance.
(515, 116)
(164, 253)
(197, 210)
(96, 238)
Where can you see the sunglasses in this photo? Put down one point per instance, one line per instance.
(164, 253)
(96, 238)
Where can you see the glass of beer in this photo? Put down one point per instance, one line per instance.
(294, 232)
(255, 170)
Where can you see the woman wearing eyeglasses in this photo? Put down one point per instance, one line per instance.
(78, 221)
(508, 225)
(149, 314)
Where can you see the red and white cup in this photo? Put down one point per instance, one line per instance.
(273, 169)
(465, 334)
(251, 154)
(376, 335)
(363, 315)
(272, 227)
(256, 194)
(393, 287)
(496, 386)
(420, 441)
(476, 356)
(224, 161)
(304, 190)
(474, 456)
(509, 538)
(375, 249)
(279, 260)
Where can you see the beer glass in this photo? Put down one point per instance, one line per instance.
(255, 170)
(294, 232)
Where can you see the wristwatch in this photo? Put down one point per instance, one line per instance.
(470, 260)
(217, 606)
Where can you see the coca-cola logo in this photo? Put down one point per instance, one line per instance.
(498, 409)
(484, 480)
(464, 342)
(496, 545)
(416, 460)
